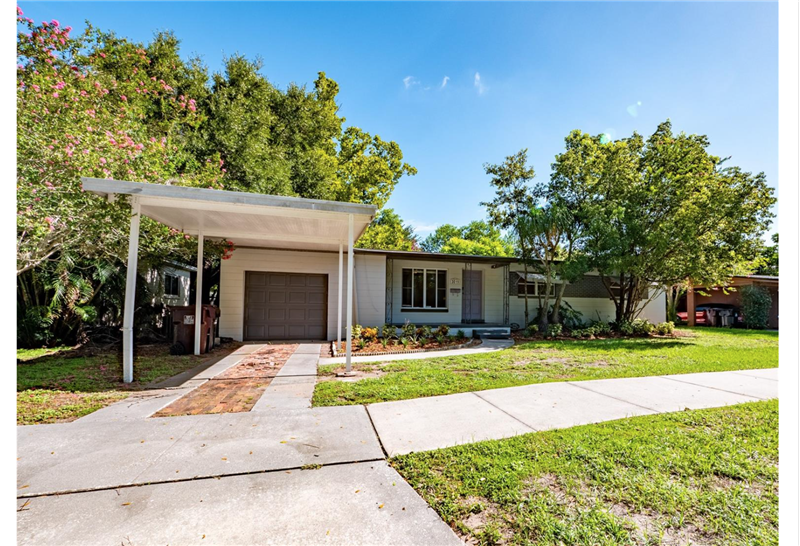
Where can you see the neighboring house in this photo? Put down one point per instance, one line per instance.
(286, 294)
(694, 304)
(170, 284)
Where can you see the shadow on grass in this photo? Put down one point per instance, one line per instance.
(98, 371)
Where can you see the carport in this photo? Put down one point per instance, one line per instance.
(247, 219)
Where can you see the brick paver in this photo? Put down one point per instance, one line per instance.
(236, 389)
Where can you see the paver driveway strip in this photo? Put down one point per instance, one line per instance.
(71, 457)
(363, 503)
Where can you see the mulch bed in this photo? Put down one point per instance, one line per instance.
(377, 348)
(235, 390)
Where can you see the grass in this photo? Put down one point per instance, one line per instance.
(61, 384)
(696, 350)
(699, 477)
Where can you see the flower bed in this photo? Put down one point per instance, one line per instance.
(376, 348)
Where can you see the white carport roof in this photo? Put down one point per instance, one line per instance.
(246, 219)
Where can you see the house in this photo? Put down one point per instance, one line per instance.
(285, 279)
(287, 294)
(729, 296)
(170, 284)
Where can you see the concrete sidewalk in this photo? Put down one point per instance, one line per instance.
(423, 424)
(487, 346)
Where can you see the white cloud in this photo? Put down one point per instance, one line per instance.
(408, 81)
(422, 228)
(478, 84)
(444, 82)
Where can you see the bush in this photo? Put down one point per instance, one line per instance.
(642, 327)
(531, 330)
(362, 343)
(460, 335)
(570, 317)
(409, 330)
(441, 339)
(424, 332)
(369, 334)
(600, 328)
(388, 331)
(756, 303)
(404, 341)
(356, 332)
(665, 328)
(554, 330)
(624, 327)
(442, 330)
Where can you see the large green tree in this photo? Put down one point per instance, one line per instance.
(387, 232)
(659, 211)
(478, 238)
(100, 105)
(768, 260)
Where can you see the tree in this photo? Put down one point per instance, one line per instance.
(387, 232)
(661, 211)
(768, 259)
(477, 238)
(513, 201)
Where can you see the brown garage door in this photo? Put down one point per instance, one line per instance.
(285, 306)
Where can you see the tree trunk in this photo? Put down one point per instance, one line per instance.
(555, 316)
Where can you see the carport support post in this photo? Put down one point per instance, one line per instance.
(198, 295)
(339, 314)
(130, 292)
(350, 271)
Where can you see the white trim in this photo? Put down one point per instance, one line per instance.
(350, 273)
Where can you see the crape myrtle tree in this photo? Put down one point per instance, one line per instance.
(478, 238)
(657, 212)
(513, 201)
(99, 105)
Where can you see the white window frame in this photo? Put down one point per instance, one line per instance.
(425, 271)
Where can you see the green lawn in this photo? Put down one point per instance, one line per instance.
(62, 387)
(696, 350)
(692, 477)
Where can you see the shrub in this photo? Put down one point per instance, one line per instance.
(441, 339)
(424, 332)
(665, 328)
(531, 330)
(600, 327)
(571, 318)
(442, 330)
(362, 343)
(423, 341)
(554, 330)
(356, 332)
(642, 327)
(624, 327)
(404, 341)
(756, 303)
(384, 341)
(408, 329)
(369, 334)
(460, 335)
(388, 331)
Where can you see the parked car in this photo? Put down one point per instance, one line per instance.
(702, 315)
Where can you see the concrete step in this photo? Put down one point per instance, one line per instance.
(502, 332)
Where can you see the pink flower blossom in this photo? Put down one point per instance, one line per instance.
(103, 55)
(19, 10)
(54, 22)
(102, 160)
(124, 98)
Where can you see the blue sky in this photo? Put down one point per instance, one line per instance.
(518, 75)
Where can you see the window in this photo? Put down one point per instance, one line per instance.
(534, 288)
(172, 285)
(424, 288)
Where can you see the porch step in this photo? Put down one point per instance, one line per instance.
(492, 333)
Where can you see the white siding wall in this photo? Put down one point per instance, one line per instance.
(591, 308)
(492, 293)
(155, 282)
(369, 284)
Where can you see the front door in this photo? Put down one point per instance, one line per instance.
(472, 300)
